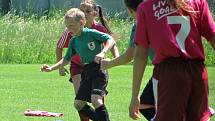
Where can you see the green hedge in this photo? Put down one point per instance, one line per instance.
(212, 5)
(32, 40)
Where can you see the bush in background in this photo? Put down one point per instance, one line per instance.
(26, 40)
(211, 4)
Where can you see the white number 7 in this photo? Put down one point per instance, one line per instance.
(184, 31)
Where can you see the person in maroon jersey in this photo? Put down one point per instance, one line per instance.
(91, 10)
(174, 29)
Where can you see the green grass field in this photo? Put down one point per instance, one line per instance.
(25, 87)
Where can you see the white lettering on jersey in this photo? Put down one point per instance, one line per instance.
(161, 9)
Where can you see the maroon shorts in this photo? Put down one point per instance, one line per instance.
(181, 90)
(75, 69)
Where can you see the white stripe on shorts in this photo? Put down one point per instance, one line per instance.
(155, 91)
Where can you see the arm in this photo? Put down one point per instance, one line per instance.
(67, 58)
(115, 51)
(212, 42)
(58, 53)
(140, 62)
(61, 44)
(59, 50)
(108, 45)
(124, 58)
(58, 65)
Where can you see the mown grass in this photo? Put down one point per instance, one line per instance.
(26, 40)
(25, 87)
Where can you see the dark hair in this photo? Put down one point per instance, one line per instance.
(181, 5)
(132, 4)
(102, 18)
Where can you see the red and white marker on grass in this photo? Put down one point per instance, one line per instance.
(30, 112)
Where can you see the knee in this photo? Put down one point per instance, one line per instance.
(78, 104)
(96, 100)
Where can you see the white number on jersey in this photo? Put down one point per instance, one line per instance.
(184, 31)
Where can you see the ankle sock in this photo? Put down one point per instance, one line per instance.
(88, 112)
(102, 113)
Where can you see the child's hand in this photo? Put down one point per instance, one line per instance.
(63, 72)
(99, 57)
(45, 68)
(105, 64)
(134, 108)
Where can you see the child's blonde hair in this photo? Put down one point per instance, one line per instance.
(88, 1)
(75, 13)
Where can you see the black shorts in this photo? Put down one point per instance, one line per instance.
(147, 96)
(93, 81)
